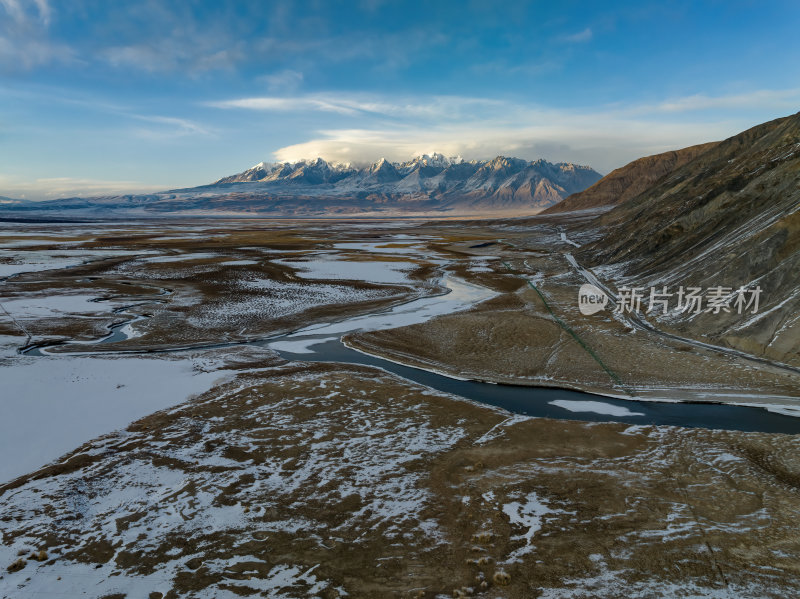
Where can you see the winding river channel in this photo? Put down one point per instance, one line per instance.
(322, 343)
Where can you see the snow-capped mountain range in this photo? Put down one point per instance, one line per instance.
(319, 170)
(426, 185)
(498, 184)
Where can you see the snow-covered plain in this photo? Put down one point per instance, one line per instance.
(21, 261)
(369, 451)
(50, 405)
(53, 305)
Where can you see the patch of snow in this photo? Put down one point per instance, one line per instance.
(39, 260)
(18, 243)
(527, 514)
(164, 258)
(50, 306)
(332, 268)
(565, 240)
(380, 247)
(50, 405)
(299, 346)
(462, 295)
(280, 299)
(239, 263)
(598, 407)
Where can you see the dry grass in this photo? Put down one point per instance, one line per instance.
(637, 510)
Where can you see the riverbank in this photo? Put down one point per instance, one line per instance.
(533, 334)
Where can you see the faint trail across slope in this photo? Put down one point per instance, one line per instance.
(639, 322)
(574, 335)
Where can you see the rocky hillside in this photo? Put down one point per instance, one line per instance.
(630, 180)
(729, 218)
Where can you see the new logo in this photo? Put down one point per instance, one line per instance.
(591, 299)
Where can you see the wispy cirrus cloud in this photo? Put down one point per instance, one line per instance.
(21, 53)
(284, 80)
(764, 98)
(450, 107)
(198, 38)
(24, 38)
(161, 126)
(287, 104)
(579, 37)
(43, 6)
(388, 51)
(169, 55)
(24, 11)
(172, 127)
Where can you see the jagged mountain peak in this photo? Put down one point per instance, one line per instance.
(500, 183)
(264, 166)
(381, 171)
(505, 163)
(317, 162)
(429, 163)
(435, 160)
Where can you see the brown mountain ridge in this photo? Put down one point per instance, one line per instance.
(630, 180)
(728, 218)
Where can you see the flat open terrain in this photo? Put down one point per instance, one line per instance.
(202, 463)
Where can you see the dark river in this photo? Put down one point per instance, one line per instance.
(536, 401)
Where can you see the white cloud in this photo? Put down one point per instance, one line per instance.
(462, 108)
(43, 7)
(580, 37)
(604, 138)
(277, 104)
(14, 10)
(287, 79)
(433, 107)
(186, 53)
(20, 52)
(20, 10)
(788, 99)
(602, 143)
(172, 126)
(64, 187)
(24, 40)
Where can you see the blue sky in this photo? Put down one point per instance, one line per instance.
(103, 97)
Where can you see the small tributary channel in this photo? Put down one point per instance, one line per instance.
(322, 343)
